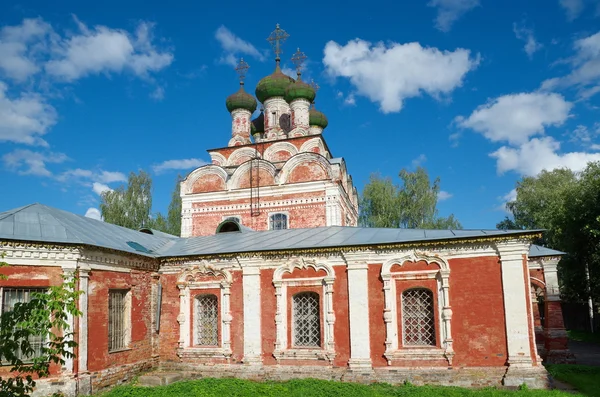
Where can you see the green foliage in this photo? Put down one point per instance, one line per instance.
(129, 206)
(45, 315)
(586, 379)
(174, 212)
(584, 336)
(409, 205)
(311, 387)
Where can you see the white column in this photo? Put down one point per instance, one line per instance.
(84, 277)
(358, 299)
(240, 127)
(300, 108)
(516, 301)
(226, 316)
(69, 273)
(184, 309)
(551, 277)
(252, 313)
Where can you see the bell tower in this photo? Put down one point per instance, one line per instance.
(277, 171)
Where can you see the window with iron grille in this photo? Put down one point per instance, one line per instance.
(278, 222)
(11, 296)
(307, 320)
(418, 317)
(207, 320)
(118, 320)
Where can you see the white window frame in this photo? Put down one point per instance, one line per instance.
(394, 350)
(435, 336)
(287, 219)
(188, 282)
(195, 319)
(283, 351)
(293, 322)
(126, 332)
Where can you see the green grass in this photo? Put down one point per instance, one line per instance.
(310, 387)
(584, 336)
(585, 378)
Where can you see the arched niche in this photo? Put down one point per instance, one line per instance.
(241, 177)
(305, 167)
(208, 178)
(280, 151)
(241, 155)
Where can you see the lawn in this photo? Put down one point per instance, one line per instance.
(585, 378)
(311, 387)
(584, 336)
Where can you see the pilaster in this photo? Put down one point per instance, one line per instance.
(252, 314)
(358, 301)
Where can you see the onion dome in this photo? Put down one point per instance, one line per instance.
(241, 100)
(317, 118)
(257, 125)
(300, 90)
(273, 85)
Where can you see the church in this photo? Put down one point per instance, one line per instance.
(272, 279)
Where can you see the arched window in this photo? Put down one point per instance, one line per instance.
(306, 320)
(207, 320)
(278, 222)
(418, 322)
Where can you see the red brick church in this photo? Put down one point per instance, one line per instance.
(272, 279)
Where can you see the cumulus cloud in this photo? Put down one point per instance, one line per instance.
(389, 74)
(573, 8)
(539, 154)
(448, 11)
(419, 160)
(100, 188)
(24, 118)
(181, 164)
(443, 195)
(93, 213)
(516, 117)
(104, 50)
(233, 46)
(111, 176)
(27, 162)
(507, 198)
(526, 34)
(585, 69)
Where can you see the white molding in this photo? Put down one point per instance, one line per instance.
(252, 314)
(358, 306)
(316, 142)
(208, 169)
(304, 157)
(217, 159)
(282, 317)
(277, 147)
(244, 168)
(84, 277)
(239, 153)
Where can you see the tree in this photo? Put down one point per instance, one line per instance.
(129, 206)
(45, 315)
(174, 212)
(409, 205)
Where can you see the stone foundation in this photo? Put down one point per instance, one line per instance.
(103, 380)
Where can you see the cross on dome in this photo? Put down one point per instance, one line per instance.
(298, 59)
(277, 38)
(241, 69)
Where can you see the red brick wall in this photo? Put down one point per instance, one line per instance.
(478, 325)
(532, 346)
(169, 327)
(237, 313)
(268, 308)
(209, 183)
(139, 284)
(376, 323)
(341, 309)
(306, 172)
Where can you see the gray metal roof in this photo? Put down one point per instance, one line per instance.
(536, 251)
(40, 223)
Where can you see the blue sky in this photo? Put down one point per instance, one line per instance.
(479, 92)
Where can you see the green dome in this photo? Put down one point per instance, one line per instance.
(300, 90)
(241, 100)
(317, 118)
(273, 85)
(258, 124)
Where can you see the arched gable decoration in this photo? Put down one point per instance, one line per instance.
(241, 153)
(198, 277)
(217, 158)
(198, 173)
(300, 158)
(390, 313)
(244, 168)
(298, 131)
(309, 145)
(277, 147)
(282, 315)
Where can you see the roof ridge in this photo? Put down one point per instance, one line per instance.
(15, 210)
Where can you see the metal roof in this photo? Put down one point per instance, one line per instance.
(40, 223)
(536, 251)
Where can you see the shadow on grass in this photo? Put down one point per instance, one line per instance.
(586, 379)
(583, 336)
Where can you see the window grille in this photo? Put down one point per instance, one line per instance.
(207, 320)
(11, 296)
(418, 317)
(278, 222)
(117, 318)
(307, 320)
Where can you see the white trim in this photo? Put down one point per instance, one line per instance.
(301, 158)
(358, 306)
(208, 169)
(243, 169)
(282, 317)
(241, 152)
(252, 314)
(393, 350)
(287, 219)
(277, 147)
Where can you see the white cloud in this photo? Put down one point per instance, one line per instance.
(443, 195)
(515, 118)
(20, 46)
(110, 176)
(539, 154)
(448, 11)
(24, 119)
(388, 74)
(585, 68)
(158, 94)
(573, 8)
(93, 213)
(584, 135)
(526, 34)
(182, 164)
(27, 162)
(507, 198)
(106, 50)
(233, 46)
(350, 100)
(417, 162)
(100, 188)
